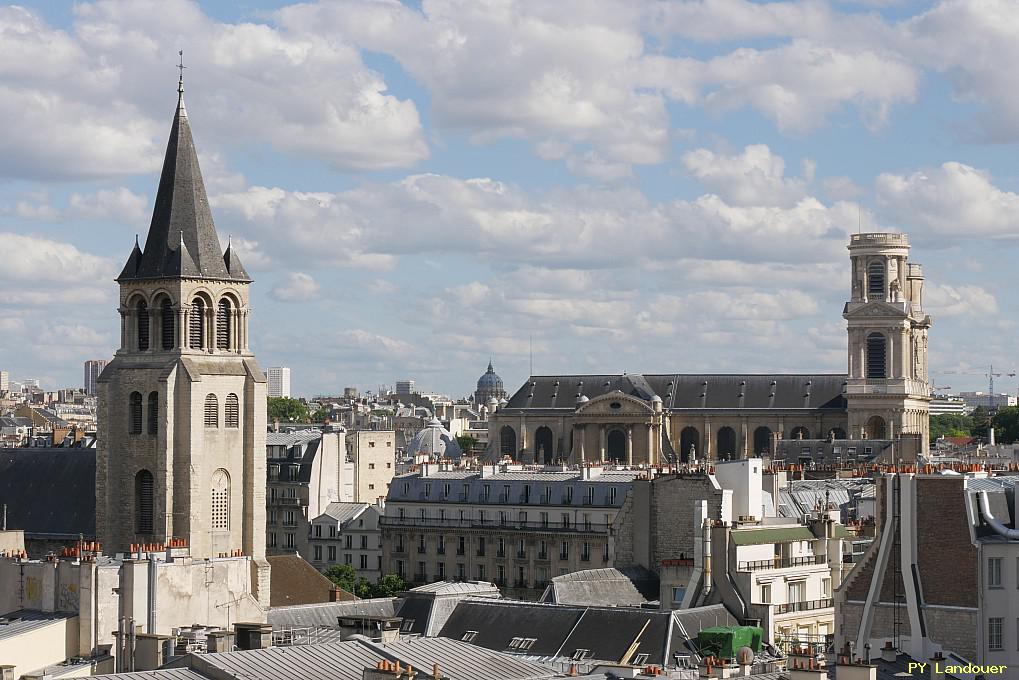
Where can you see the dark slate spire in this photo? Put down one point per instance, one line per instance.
(130, 270)
(233, 263)
(182, 240)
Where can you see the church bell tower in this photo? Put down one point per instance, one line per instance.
(888, 391)
(182, 407)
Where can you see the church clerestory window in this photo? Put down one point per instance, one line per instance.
(223, 324)
(134, 409)
(211, 411)
(232, 411)
(144, 489)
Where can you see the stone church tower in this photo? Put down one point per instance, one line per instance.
(182, 407)
(888, 391)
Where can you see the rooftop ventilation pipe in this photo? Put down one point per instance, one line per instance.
(997, 525)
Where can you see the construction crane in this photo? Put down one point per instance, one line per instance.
(990, 375)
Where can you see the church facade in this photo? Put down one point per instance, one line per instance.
(182, 407)
(634, 419)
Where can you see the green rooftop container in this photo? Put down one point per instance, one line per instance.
(724, 641)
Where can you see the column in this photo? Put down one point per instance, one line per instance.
(601, 442)
(125, 320)
(629, 444)
(707, 450)
(523, 436)
(744, 427)
(583, 435)
(651, 458)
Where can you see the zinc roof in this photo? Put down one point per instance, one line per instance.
(771, 535)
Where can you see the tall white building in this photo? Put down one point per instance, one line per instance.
(405, 387)
(279, 381)
(93, 367)
(5, 381)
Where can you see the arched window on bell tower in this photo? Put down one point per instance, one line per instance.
(166, 324)
(143, 326)
(877, 356)
(144, 502)
(223, 314)
(876, 279)
(220, 499)
(196, 330)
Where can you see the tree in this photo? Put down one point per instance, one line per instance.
(981, 420)
(466, 442)
(344, 576)
(1006, 424)
(321, 415)
(389, 585)
(287, 410)
(950, 425)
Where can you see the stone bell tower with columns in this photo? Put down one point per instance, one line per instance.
(182, 407)
(887, 391)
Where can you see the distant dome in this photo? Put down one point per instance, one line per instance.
(489, 386)
(435, 441)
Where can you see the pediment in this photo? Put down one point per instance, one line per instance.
(876, 309)
(615, 403)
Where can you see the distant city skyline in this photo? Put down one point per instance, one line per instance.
(645, 187)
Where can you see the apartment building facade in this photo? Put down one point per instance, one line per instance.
(309, 469)
(348, 533)
(515, 526)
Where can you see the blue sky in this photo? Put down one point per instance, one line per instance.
(417, 187)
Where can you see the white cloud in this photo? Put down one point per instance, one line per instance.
(119, 205)
(297, 287)
(81, 103)
(36, 260)
(948, 200)
(945, 300)
(973, 43)
(799, 85)
(754, 177)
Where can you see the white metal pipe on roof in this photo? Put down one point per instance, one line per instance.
(996, 524)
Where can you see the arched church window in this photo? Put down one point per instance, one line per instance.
(153, 419)
(196, 332)
(211, 411)
(220, 499)
(876, 278)
(877, 347)
(615, 446)
(232, 411)
(223, 324)
(507, 441)
(143, 326)
(166, 324)
(134, 409)
(144, 489)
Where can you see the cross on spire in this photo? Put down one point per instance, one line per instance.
(181, 67)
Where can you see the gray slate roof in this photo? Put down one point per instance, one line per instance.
(688, 391)
(560, 630)
(347, 661)
(182, 239)
(49, 491)
(327, 614)
(344, 512)
(594, 587)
